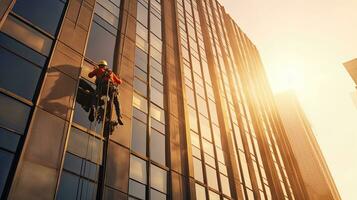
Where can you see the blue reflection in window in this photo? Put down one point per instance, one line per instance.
(18, 75)
(87, 189)
(22, 50)
(5, 164)
(14, 115)
(73, 163)
(68, 187)
(8, 140)
(81, 167)
(43, 13)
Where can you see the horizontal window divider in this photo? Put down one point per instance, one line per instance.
(8, 151)
(16, 97)
(11, 130)
(80, 176)
(28, 60)
(86, 130)
(27, 22)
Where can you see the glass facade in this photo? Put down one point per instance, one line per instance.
(198, 124)
(26, 41)
(148, 169)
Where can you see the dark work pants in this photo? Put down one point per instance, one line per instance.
(103, 91)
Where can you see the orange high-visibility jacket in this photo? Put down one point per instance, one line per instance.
(99, 72)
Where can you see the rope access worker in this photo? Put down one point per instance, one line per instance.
(104, 78)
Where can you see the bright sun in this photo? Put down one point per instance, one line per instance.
(287, 78)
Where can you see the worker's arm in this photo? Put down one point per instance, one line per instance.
(116, 79)
(93, 73)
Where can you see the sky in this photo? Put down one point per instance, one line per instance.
(303, 44)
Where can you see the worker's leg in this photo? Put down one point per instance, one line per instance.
(93, 107)
(117, 108)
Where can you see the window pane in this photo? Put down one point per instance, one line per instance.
(73, 163)
(22, 50)
(193, 119)
(138, 142)
(213, 196)
(78, 142)
(140, 103)
(225, 185)
(156, 75)
(196, 152)
(85, 146)
(10, 67)
(140, 87)
(217, 135)
(195, 140)
(155, 195)
(111, 5)
(157, 125)
(220, 155)
(27, 35)
(136, 189)
(200, 192)
(207, 147)
(157, 147)
(139, 115)
(141, 59)
(140, 74)
(157, 113)
(106, 15)
(158, 178)
(155, 25)
(245, 169)
(197, 165)
(205, 128)
(202, 108)
(40, 8)
(156, 42)
(14, 115)
(88, 189)
(211, 177)
(105, 24)
(155, 65)
(190, 97)
(142, 15)
(155, 84)
(155, 54)
(91, 170)
(101, 44)
(8, 140)
(142, 44)
(137, 169)
(5, 164)
(157, 97)
(142, 31)
(68, 186)
(210, 160)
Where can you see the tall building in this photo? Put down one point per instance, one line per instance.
(351, 67)
(200, 118)
(310, 160)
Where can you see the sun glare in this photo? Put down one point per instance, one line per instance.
(287, 78)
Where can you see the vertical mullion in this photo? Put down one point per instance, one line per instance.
(148, 125)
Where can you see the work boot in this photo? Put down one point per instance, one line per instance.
(100, 114)
(112, 125)
(92, 112)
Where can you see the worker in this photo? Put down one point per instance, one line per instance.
(104, 78)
